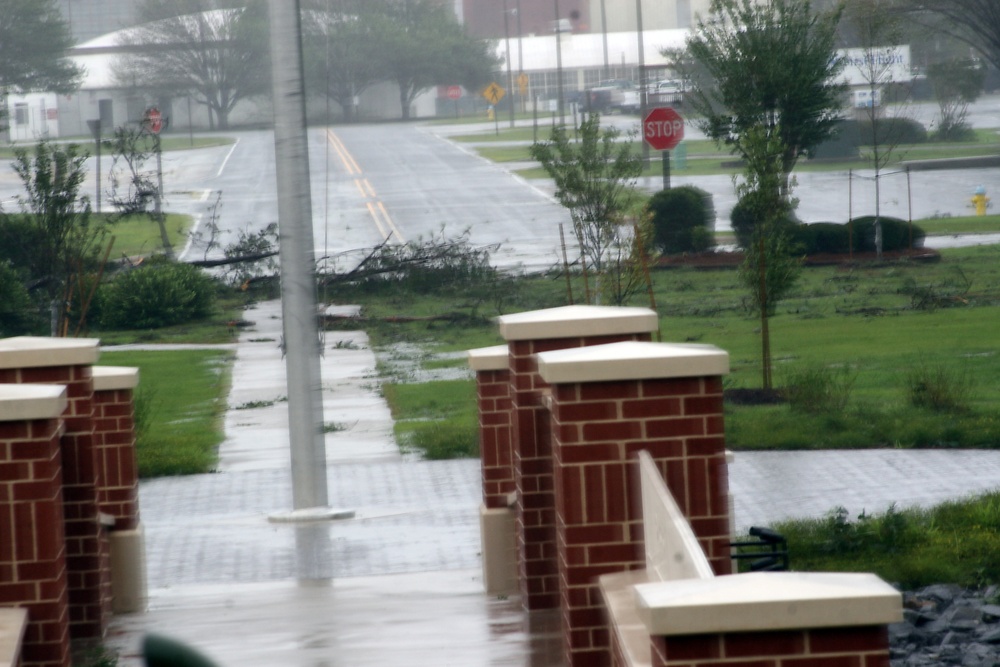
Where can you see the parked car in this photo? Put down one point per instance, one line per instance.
(667, 91)
(613, 95)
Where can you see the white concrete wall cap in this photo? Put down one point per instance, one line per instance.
(13, 622)
(495, 358)
(577, 321)
(110, 378)
(631, 360)
(24, 402)
(41, 352)
(763, 601)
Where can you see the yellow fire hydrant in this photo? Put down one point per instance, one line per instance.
(980, 200)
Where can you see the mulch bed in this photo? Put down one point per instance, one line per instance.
(726, 260)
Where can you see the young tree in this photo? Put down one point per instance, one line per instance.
(344, 44)
(64, 241)
(594, 177)
(957, 83)
(425, 45)
(133, 190)
(34, 39)
(877, 31)
(766, 65)
(215, 52)
(769, 268)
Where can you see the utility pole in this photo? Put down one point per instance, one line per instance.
(298, 280)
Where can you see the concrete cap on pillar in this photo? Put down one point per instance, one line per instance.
(631, 360)
(25, 402)
(764, 601)
(577, 322)
(110, 378)
(495, 358)
(42, 352)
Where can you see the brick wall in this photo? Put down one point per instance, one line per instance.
(33, 547)
(864, 646)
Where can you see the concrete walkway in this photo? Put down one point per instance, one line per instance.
(399, 584)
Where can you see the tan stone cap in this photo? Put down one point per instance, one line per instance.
(761, 601)
(493, 358)
(24, 402)
(577, 322)
(41, 352)
(631, 360)
(110, 378)
(13, 622)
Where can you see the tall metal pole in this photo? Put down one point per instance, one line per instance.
(559, 68)
(510, 77)
(643, 98)
(520, 51)
(298, 281)
(604, 35)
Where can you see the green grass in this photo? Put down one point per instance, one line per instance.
(184, 394)
(436, 418)
(956, 542)
(172, 142)
(139, 235)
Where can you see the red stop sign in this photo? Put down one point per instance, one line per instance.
(154, 120)
(663, 128)
(454, 92)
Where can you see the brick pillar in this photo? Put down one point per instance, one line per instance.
(114, 444)
(607, 404)
(65, 361)
(32, 541)
(528, 334)
(493, 398)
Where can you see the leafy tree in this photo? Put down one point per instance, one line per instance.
(769, 269)
(594, 179)
(768, 65)
(424, 46)
(344, 44)
(209, 49)
(34, 39)
(64, 240)
(133, 189)
(957, 83)
(975, 22)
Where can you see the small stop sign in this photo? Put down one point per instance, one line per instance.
(154, 120)
(663, 128)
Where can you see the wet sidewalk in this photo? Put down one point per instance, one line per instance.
(400, 583)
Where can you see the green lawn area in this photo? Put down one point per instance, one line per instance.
(181, 401)
(168, 142)
(139, 235)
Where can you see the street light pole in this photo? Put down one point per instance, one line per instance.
(559, 67)
(510, 78)
(604, 35)
(520, 53)
(643, 98)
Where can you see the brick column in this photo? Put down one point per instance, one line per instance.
(114, 444)
(32, 541)
(68, 361)
(770, 619)
(114, 440)
(608, 403)
(528, 334)
(493, 398)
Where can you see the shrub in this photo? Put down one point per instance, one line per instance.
(895, 234)
(819, 390)
(842, 144)
(682, 219)
(939, 389)
(154, 296)
(17, 314)
(822, 237)
(891, 131)
(743, 224)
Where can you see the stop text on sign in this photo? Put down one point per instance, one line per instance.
(664, 128)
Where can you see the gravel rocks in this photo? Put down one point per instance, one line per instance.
(947, 625)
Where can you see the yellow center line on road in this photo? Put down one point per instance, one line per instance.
(376, 209)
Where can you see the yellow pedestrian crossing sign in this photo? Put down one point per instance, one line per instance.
(494, 93)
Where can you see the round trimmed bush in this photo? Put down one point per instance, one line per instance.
(822, 237)
(743, 223)
(157, 295)
(895, 234)
(683, 219)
